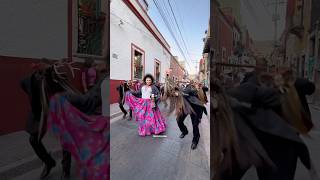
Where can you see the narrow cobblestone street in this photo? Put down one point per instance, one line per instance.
(166, 158)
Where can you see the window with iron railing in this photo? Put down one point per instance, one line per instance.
(90, 27)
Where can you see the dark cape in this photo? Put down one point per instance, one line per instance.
(191, 96)
(89, 103)
(263, 122)
(304, 87)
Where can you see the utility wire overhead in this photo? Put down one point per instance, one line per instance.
(181, 20)
(167, 15)
(174, 23)
(170, 30)
(179, 29)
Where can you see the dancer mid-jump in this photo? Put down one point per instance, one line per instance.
(186, 102)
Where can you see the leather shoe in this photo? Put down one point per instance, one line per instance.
(124, 116)
(193, 146)
(183, 135)
(46, 170)
(65, 175)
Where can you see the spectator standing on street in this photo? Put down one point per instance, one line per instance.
(89, 75)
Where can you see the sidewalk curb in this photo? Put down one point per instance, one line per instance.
(117, 114)
(25, 165)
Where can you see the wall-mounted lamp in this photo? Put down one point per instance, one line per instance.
(121, 22)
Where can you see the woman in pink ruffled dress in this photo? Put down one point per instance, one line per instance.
(145, 109)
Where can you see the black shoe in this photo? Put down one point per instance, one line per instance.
(65, 175)
(46, 170)
(183, 135)
(124, 116)
(194, 146)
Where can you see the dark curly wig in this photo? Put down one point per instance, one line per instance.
(148, 76)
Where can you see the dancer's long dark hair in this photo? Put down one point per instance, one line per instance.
(148, 76)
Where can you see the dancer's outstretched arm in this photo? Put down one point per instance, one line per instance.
(89, 102)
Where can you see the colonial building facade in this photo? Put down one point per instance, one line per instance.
(177, 71)
(137, 46)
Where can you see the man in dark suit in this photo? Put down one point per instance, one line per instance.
(122, 89)
(191, 96)
(32, 87)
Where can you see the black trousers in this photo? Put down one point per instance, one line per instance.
(124, 111)
(45, 157)
(195, 119)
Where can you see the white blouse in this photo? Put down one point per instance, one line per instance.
(146, 92)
